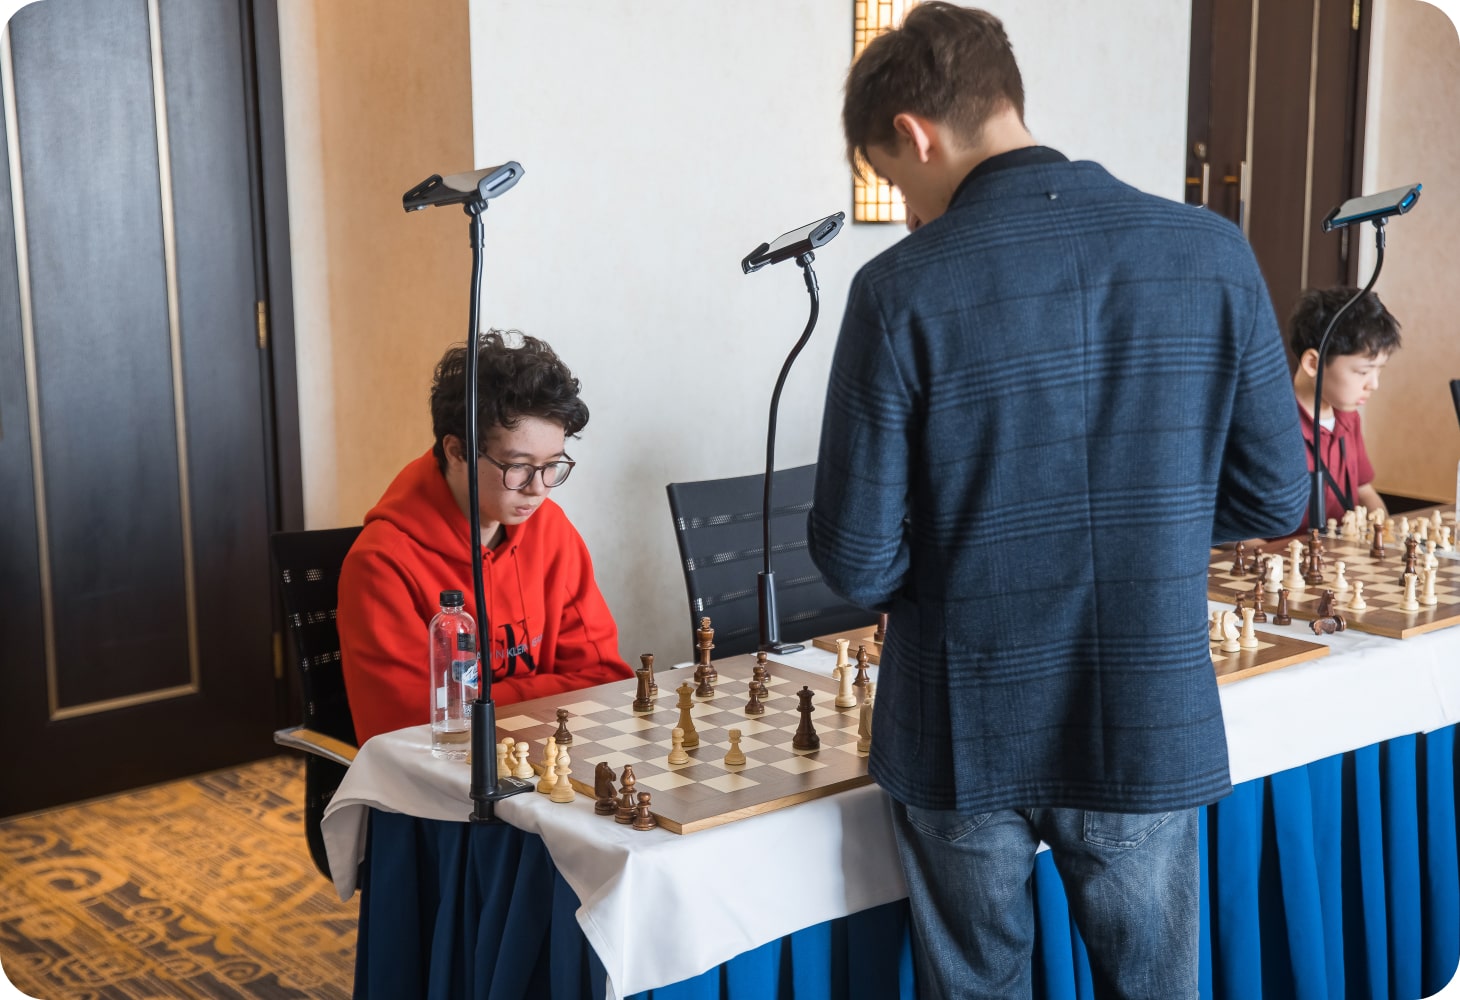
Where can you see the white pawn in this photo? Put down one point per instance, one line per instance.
(1214, 627)
(1332, 531)
(734, 757)
(1248, 638)
(1403, 531)
(502, 758)
(1445, 543)
(677, 754)
(1340, 584)
(845, 696)
(1409, 603)
(1230, 643)
(1357, 602)
(524, 767)
(563, 790)
(549, 774)
(1430, 598)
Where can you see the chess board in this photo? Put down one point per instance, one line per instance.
(705, 792)
(855, 638)
(1382, 589)
(1273, 651)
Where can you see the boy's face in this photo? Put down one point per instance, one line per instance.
(1350, 379)
(534, 441)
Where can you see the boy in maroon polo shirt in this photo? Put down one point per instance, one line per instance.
(1358, 349)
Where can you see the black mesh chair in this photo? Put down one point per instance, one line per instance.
(718, 526)
(308, 566)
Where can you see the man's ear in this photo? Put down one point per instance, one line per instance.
(452, 446)
(916, 132)
(1309, 362)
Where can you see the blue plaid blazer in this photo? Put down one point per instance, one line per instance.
(1044, 407)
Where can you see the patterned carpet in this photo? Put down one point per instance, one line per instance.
(198, 888)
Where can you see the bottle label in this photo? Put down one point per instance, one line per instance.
(464, 670)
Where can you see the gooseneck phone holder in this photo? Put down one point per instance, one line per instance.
(1375, 208)
(795, 245)
(472, 191)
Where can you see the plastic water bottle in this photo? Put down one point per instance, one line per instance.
(453, 677)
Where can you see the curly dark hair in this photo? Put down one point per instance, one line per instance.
(949, 63)
(512, 382)
(1367, 328)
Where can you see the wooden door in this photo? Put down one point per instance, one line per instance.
(136, 452)
(1274, 129)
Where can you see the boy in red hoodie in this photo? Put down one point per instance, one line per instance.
(547, 627)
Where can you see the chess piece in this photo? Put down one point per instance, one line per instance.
(734, 757)
(1376, 548)
(1332, 528)
(1357, 602)
(1259, 614)
(563, 790)
(1411, 559)
(1340, 583)
(686, 720)
(1248, 638)
(524, 767)
(704, 689)
(643, 818)
(1281, 616)
(1329, 624)
(1346, 526)
(862, 660)
(1410, 601)
(563, 737)
(841, 656)
(1274, 574)
(805, 738)
(1327, 604)
(603, 791)
(759, 676)
(502, 759)
(754, 706)
(864, 723)
(676, 752)
(646, 660)
(880, 636)
(549, 769)
(1240, 605)
(1239, 564)
(1230, 641)
(1430, 598)
(643, 698)
(626, 782)
(1214, 627)
(763, 665)
(1445, 543)
(845, 696)
(1313, 575)
(706, 642)
(1294, 580)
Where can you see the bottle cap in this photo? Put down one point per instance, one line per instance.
(452, 599)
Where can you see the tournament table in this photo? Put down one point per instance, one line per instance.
(1330, 871)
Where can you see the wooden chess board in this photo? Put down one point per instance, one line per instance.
(705, 792)
(1273, 651)
(1382, 589)
(855, 638)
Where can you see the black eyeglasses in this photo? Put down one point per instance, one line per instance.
(516, 475)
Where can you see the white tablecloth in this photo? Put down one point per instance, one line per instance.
(1367, 690)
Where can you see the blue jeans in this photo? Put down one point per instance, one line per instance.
(1133, 883)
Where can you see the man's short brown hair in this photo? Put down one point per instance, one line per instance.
(512, 382)
(951, 64)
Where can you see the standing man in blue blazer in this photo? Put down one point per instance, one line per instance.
(1045, 405)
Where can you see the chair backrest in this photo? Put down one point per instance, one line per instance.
(717, 524)
(308, 567)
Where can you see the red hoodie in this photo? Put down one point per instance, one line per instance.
(551, 630)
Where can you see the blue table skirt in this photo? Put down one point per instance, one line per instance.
(1338, 879)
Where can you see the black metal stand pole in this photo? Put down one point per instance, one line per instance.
(770, 626)
(1317, 504)
(487, 786)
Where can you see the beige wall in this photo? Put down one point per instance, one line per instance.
(377, 96)
(1410, 426)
